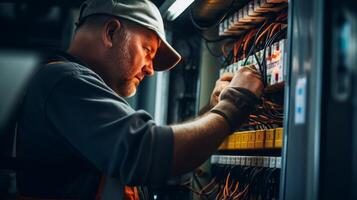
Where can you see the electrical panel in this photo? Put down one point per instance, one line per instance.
(248, 163)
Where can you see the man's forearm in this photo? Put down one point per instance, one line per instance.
(195, 141)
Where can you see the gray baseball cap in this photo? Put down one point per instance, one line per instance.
(142, 12)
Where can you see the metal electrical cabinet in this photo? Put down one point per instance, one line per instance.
(320, 150)
(301, 138)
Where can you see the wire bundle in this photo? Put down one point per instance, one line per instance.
(267, 115)
(238, 183)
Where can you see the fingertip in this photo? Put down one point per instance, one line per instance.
(227, 76)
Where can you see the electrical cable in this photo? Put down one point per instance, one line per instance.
(227, 59)
(252, 50)
(195, 178)
(211, 52)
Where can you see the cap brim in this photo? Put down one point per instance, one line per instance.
(166, 57)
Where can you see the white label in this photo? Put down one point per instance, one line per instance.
(213, 159)
(237, 160)
(272, 162)
(278, 162)
(248, 161)
(260, 161)
(228, 160)
(232, 160)
(242, 160)
(300, 100)
(225, 160)
(254, 161)
(266, 162)
(220, 160)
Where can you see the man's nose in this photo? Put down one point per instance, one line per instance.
(149, 68)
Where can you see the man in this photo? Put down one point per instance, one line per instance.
(83, 139)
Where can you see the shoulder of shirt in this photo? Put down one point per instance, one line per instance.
(54, 72)
(51, 74)
(61, 69)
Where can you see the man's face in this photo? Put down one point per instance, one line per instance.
(132, 59)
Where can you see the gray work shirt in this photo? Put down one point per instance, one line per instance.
(76, 130)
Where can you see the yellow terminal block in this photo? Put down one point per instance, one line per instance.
(259, 139)
(251, 139)
(231, 142)
(228, 142)
(244, 140)
(278, 137)
(269, 138)
(236, 140)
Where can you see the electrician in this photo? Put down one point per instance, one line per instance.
(84, 138)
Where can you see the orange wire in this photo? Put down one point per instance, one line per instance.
(241, 193)
(274, 29)
(263, 33)
(223, 49)
(249, 37)
(236, 49)
(225, 190)
(219, 195)
(282, 17)
(207, 186)
(242, 42)
(235, 189)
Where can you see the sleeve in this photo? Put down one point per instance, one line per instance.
(102, 127)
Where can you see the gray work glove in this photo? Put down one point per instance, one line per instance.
(240, 97)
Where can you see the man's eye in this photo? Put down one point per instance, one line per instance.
(148, 50)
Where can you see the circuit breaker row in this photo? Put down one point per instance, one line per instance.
(247, 17)
(256, 161)
(275, 56)
(258, 139)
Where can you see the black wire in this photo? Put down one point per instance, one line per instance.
(211, 52)
(260, 122)
(255, 38)
(275, 36)
(260, 68)
(252, 51)
(227, 59)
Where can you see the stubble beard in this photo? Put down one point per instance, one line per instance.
(125, 87)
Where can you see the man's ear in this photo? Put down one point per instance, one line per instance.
(111, 27)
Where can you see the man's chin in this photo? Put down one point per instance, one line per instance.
(132, 93)
(128, 91)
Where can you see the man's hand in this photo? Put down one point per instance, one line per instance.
(240, 97)
(196, 140)
(250, 79)
(246, 77)
(221, 83)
